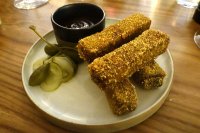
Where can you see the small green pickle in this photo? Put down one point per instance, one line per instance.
(53, 49)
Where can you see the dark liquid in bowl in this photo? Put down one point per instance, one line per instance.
(79, 24)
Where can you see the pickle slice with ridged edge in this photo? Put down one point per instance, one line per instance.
(54, 78)
(67, 65)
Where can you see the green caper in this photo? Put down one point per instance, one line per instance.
(39, 75)
(51, 50)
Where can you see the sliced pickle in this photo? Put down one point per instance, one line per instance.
(39, 63)
(54, 78)
(60, 65)
(67, 65)
(39, 75)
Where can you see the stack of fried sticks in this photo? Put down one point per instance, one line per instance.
(122, 51)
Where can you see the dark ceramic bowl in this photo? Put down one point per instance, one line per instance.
(75, 21)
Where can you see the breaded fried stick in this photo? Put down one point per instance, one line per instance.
(129, 58)
(151, 76)
(112, 37)
(122, 97)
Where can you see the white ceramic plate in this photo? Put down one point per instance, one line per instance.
(79, 105)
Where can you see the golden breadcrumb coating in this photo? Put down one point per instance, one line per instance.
(151, 76)
(129, 58)
(112, 37)
(122, 97)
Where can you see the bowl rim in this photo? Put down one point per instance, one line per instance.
(80, 3)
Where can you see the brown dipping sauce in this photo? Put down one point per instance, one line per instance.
(79, 24)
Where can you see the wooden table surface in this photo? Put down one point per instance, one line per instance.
(179, 113)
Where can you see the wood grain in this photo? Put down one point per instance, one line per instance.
(179, 114)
